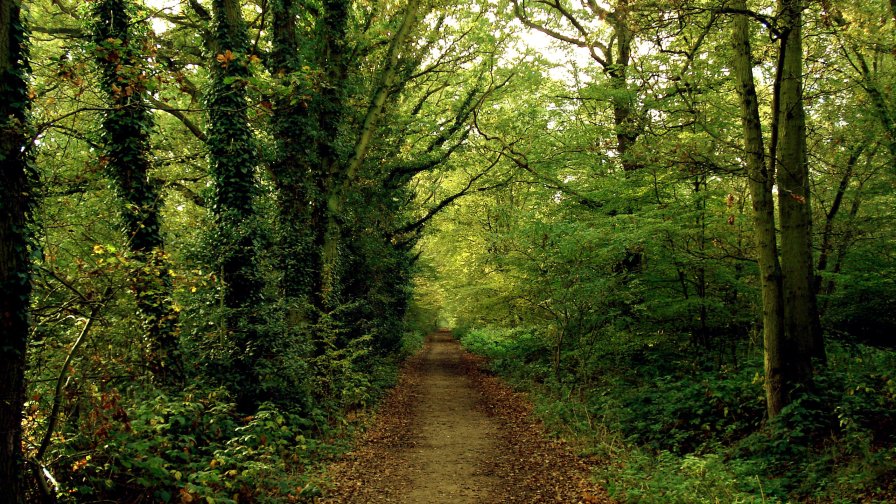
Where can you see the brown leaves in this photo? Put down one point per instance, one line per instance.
(536, 469)
(225, 58)
(527, 466)
(367, 473)
(80, 464)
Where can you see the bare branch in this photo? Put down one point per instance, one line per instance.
(61, 381)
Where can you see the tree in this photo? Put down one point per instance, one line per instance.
(16, 199)
(343, 174)
(291, 168)
(307, 118)
(339, 167)
(127, 125)
(761, 182)
(232, 161)
(794, 197)
(613, 52)
(792, 331)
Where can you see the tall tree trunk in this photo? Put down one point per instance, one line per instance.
(309, 167)
(232, 166)
(761, 182)
(293, 127)
(332, 171)
(803, 328)
(126, 131)
(15, 271)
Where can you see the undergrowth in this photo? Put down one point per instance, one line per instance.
(664, 429)
(139, 444)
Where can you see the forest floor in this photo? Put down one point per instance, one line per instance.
(450, 433)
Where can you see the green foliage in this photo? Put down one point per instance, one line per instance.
(517, 353)
(185, 448)
(671, 431)
(629, 277)
(665, 477)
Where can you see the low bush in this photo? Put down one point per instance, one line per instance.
(669, 430)
(138, 444)
(185, 448)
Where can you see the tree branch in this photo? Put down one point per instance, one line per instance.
(767, 21)
(519, 159)
(521, 15)
(413, 226)
(61, 381)
(196, 130)
(362, 145)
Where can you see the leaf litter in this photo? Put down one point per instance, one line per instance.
(451, 433)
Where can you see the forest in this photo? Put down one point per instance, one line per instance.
(226, 224)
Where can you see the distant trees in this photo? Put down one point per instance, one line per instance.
(701, 169)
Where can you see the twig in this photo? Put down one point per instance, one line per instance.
(61, 382)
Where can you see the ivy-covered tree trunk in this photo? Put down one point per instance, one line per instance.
(126, 131)
(333, 173)
(232, 163)
(804, 339)
(326, 246)
(15, 278)
(306, 125)
(290, 169)
(760, 184)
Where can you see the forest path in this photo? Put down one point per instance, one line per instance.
(449, 433)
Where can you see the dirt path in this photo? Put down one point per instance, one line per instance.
(455, 439)
(448, 433)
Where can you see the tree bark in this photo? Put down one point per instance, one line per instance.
(761, 183)
(803, 328)
(15, 271)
